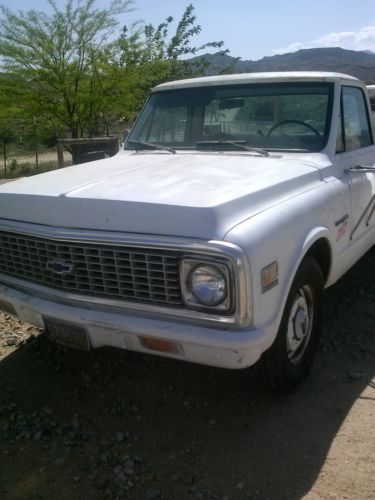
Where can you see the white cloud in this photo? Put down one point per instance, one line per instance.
(364, 39)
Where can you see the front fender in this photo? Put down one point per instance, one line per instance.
(284, 234)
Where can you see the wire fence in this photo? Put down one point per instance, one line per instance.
(19, 160)
(26, 148)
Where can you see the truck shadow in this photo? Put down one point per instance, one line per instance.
(68, 419)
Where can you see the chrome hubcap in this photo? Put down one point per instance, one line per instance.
(300, 324)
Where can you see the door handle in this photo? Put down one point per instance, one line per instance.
(360, 169)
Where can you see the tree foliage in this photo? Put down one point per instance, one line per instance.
(158, 55)
(73, 67)
(60, 56)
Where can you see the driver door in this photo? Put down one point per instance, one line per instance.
(356, 150)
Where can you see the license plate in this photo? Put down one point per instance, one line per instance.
(68, 334)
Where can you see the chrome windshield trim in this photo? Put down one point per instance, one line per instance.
(188, 247)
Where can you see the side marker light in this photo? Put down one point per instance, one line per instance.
(161, 345)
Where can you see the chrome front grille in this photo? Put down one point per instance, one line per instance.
(116, 272)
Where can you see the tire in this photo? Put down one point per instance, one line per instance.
(287, 362)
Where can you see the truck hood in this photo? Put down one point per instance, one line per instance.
(195, 195)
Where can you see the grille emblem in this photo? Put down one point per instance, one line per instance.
(59, 267)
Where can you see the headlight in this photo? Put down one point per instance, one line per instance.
(208, 284)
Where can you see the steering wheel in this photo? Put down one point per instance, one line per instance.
(299, 122)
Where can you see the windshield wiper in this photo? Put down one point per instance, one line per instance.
(240, 144)
(151, 145)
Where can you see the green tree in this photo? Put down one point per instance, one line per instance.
(144, 56)
(157, 55)
(71, 69)
(61, 58)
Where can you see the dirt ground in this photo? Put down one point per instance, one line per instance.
(113, 424)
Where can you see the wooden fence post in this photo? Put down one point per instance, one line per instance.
(60, 154)
(5, 157)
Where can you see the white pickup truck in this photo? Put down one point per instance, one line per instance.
(210, 237)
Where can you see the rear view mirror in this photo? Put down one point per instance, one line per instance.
(234, 103)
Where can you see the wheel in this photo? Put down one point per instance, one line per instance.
(287, 362)
(298, 122)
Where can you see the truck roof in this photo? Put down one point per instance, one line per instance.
(269, 77)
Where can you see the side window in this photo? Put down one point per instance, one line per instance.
(355, 132)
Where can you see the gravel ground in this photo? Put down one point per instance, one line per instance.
(111, 424)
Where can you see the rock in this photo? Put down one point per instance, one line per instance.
(76, 425)
(59, 461)
(37, 436)
(129, 470)
(12, 341)
(104, 457)
(196, 492)
(138, 459)
(117, 470)
(152, 493)
(121, 479)
(363, 348)
(101, 482)
(120, 437)
(355, 374)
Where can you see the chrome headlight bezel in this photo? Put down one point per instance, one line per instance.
(188, 266)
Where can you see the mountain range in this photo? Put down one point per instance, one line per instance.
(360, 64)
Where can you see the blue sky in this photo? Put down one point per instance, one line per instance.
(252, 30)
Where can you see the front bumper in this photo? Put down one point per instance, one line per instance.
(227, 348)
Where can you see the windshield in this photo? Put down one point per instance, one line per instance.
(281, 117)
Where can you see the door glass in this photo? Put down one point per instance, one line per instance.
(357, 132)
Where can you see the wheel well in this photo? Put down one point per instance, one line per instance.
(321, 252)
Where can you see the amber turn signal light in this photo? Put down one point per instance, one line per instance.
(161, 345)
